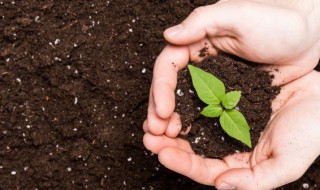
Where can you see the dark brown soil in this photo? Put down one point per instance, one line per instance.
(206, 136)
(74, 82)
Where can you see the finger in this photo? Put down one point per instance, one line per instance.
(145, 126)
(174, 126)
(269, 174)
(156, 143)
(197, 168)
(285, 74)
(155, 124)
(291, 70)
(209, 20)
(238, 160)
(200, 50)
(171, 59)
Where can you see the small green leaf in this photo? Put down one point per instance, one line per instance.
(236, 126)
(231, 99)
(209, 89)
(212, 110)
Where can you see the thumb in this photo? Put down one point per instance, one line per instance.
(268, 174)
(211, 20)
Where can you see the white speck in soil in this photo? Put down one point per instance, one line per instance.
(57, 59)
(198, 108)
(130, 30)
(4, 131)
(75, 100)
(93, 23)
(37, 19)
(13, 172)
(25, 168)
(237, 108)
(109, 168)
(197, 140)
(1, 167)
(305, 186)
(191, 91)
(123, 115)
(76, 71)
(179, 92)
(108, 80)
(156, 168)
(237, 151)
(129, 159)
(75, 45)
(50, 153)
(28, 126)
(132, 134)
(124, 183)
(144, 70)
(75, 129)
(57, 41)
(222, 138)
(51, 45)
(133, 20)
(8, 59)
(69, 169)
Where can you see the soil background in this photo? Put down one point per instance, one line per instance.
(74, 82)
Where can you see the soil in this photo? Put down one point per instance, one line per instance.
(74, 82)
(206, 135)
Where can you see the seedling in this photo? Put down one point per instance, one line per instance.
(220, 104)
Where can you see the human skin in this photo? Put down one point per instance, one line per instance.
(284, 35)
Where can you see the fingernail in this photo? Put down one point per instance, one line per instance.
(225, 186)
(174, 30)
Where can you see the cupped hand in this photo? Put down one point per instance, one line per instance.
(286, 149)
(284, 35)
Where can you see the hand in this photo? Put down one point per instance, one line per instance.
(286, 149)
(272, 33)
(286, 37)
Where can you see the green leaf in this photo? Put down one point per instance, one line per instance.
(212, 110)
(209, 89)
(236, 126)
(231, 99)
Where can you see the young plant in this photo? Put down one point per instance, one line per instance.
(220, 104)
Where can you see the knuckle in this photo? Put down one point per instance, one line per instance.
(199, 12)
